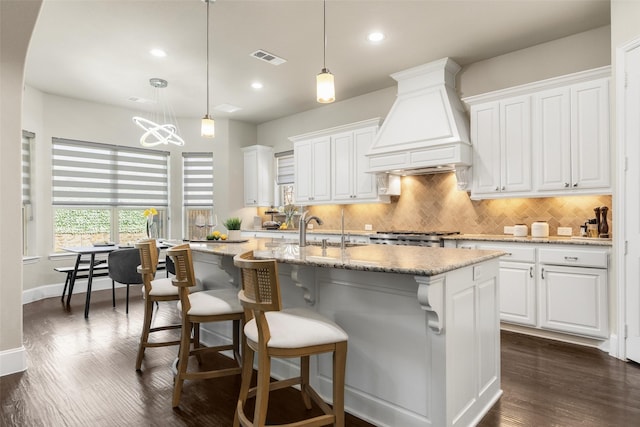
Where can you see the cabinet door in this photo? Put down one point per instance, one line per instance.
(342, 166)
(365, 185)
(574, 299)
(518, 293)
(321, 169)
(250, 178)
(515, 144)
(303, 164)
(485, 136)
(590, 135)
(552, 139)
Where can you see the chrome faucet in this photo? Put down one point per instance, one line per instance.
(304, 221)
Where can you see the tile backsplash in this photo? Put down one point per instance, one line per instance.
(432, 202)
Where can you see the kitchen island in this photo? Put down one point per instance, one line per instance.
(423, 325)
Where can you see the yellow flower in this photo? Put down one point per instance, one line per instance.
(150, 212)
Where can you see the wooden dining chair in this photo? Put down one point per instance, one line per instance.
(199, 307)
(155, 290)
(273, 332)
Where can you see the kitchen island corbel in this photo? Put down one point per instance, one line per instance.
(423, 324)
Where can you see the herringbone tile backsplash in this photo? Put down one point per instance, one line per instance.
(432, 202)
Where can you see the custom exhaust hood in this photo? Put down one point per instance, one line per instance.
(426, 130)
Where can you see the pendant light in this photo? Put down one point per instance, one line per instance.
(208, 126)
(326, 92)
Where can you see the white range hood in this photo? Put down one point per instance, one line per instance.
(426, 130)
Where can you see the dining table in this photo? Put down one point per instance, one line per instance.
(86, 251)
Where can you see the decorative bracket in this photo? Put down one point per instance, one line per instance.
(305, 280)
(431, 299)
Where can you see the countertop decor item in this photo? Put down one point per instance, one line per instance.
(604, 225)
(540, 229)
(520, 230)
(233, 225)
(152, 226)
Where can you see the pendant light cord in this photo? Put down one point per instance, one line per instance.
(324, 30)
(208, 3)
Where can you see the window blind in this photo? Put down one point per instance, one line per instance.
(285, 169)
(89, 173)
(26, 167)
(197, 179)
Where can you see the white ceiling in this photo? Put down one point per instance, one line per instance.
(97, 50)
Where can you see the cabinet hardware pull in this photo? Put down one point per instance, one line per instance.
(575, 185)
(497, 188)
(503, 188)
(531, 272)
(571, 258)
(566, 184)
(543, 273)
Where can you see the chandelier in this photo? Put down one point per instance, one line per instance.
(160, 128)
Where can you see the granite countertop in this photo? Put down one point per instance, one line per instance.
(419, 261)
(313, 231)
(571, 240)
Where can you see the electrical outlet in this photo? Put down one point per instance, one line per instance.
(368, 227)
(565, 231)
(508, 229)
(310, 226)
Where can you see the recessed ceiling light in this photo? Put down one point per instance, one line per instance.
(256, 85)
(158, 53)
(375, 37)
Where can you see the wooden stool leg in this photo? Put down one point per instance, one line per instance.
(196, 341)
(183, 361)
(304, 383)
(262, 391)
(339, 367)
(247, 372)
(146, 326)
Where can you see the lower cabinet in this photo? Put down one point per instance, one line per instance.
(563, 288)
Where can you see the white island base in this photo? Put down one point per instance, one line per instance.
(423, 350)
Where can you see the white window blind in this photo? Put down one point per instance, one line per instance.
(89, 173)
(26, 167)
(285, 169)
(197, 176)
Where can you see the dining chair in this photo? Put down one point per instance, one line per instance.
(199, 307)
(155, 291)
(272, 331)
(123, 268)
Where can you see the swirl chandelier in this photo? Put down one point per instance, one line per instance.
(160, 129)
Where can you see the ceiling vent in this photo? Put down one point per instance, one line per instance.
(265, 56)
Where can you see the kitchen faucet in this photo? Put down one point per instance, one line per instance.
(304, 221)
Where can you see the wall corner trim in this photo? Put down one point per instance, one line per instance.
(13, 360)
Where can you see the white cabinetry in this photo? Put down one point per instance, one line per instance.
(549, 138)
(349, 165)
(571, 132)
(258, 175)
(561, 288)
(312, 165)
(501, 135)
(573, 291)
(331, 165)
(517, 284)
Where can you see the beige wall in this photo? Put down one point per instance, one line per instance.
(17, 19)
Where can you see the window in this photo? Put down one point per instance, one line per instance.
(101, 191)
(197, 191)
(285, 177)
(27, 217)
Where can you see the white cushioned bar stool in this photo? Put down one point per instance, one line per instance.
(155, 290)
(273, 332)
(200, 307)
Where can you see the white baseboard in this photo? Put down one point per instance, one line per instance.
(13, 361)
(55, 290)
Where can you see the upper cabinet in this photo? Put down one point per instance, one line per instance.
(331, 165)
(501, 135)
(571, 131)
(258, 175)
(549, 138)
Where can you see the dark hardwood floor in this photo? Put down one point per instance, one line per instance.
(81, 373)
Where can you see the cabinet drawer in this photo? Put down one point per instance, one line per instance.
(514, 253)
(575, 257)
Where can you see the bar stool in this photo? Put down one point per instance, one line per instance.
(273, 332)
(155, 290)
(199, 307)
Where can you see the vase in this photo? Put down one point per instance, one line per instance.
(152, 230)
(290, 222)
(234, 235)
